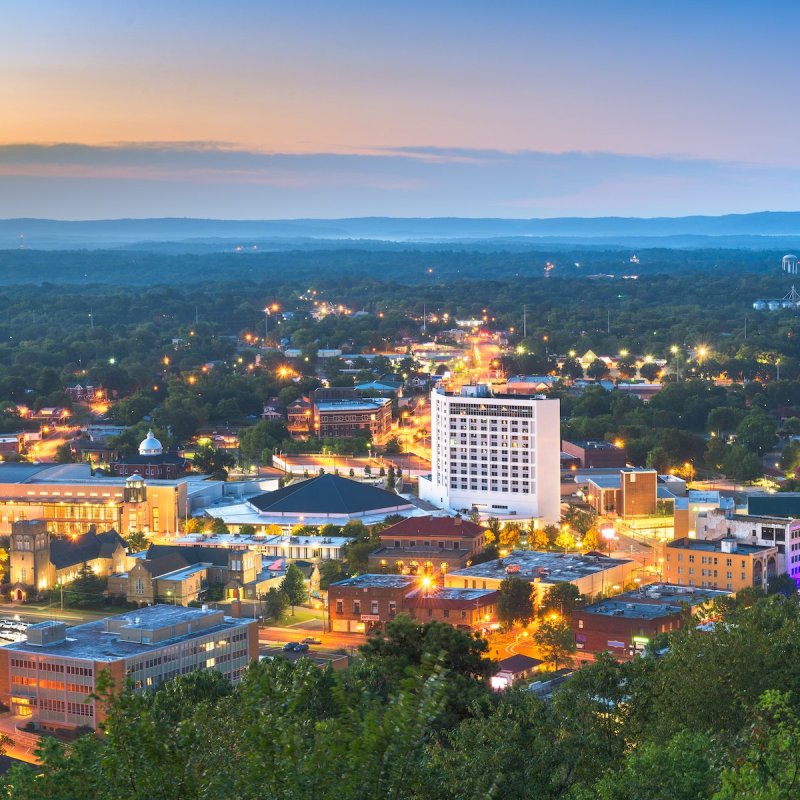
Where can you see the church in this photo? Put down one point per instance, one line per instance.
(152, 462)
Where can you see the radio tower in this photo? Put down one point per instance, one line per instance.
(22, 241)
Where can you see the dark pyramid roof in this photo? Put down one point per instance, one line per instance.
(190, 553)
(67, 552)
(327, 494)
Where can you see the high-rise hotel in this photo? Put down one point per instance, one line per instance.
(496, 453)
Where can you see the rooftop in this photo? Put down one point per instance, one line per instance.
(543, 565)
(715, 546)
(673, 594)
(447, 597)
(784, 504)
(328, 494)
(371, 580)
(104, 640)
(518, 663)
(452, 527)
(362, 404)
(629, 610)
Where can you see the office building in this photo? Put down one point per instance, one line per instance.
(720, 564)
(498, 454)
(52, 676)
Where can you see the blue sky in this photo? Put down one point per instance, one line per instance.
(262, 109)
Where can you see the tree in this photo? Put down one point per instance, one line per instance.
(247, 530)
(555, 641)
(391, 480)
(218, 526)
(64, 454)
(659, 459)
(565, 540)
(782, 584)
(650, 371)
(562, 598)
(136, 541)
(538, 539)
(515, 602)
(597, 370)
(276, 604)
(408, 647)
(293, 586)
(330, 572)
(591, 540)
(722, 420)
(509, 535)
(791, 426)
(86, 591)
(742, 465)
(770, 766)
(756, 432)
(212, 460)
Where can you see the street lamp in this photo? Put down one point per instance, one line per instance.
(608, 534)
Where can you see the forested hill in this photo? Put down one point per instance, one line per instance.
(408, 265)
(730, 230)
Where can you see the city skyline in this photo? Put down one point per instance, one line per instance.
(263, 110)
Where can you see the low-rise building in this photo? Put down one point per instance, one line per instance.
(181, 574)
(52, 676)
(366, 602)
(723, 563)
(514, 669)
(39, 561)
(622, 627)
(593, 453)
(781, 532)
(339, 413)
(369, 602)
(591, 574)
(427, 545)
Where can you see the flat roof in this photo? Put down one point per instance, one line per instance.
(629, 610)
(673, 594)
(546, 566)
(92, 641)
(185, 572)
(451, 593)
(715, 546)
(604, 481)
(372, 580)
(365, 404)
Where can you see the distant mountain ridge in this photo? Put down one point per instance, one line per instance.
(50, 234)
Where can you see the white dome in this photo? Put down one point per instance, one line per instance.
(150, 446)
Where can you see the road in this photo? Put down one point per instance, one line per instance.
(45, 449)
(330, 641)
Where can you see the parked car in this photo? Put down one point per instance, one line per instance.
(290, 647)
(301, 648)
(312, 640)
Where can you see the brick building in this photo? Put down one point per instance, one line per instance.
(339, 413)
(427, 545)
(369, 602)
(52, 676)
(720, 564)
(593, 454)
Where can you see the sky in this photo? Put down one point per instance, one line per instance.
(248, 110)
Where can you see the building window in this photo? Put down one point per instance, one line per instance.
(139, 586)
(340, 606)
(374, 607)
(356, 606)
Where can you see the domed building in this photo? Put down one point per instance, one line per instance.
(152, 462)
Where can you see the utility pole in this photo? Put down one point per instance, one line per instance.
(424, 318)
(524, 322)
(608, 321)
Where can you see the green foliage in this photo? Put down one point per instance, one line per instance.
(136, 541)
(562, 598)
(515, 601)
(293, 586)
(276, 604)
(330, 572)
(555, 641)
(86, 591)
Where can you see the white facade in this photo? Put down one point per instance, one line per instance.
(499, 454)
(782, 533)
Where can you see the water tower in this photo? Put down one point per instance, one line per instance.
(789, 264)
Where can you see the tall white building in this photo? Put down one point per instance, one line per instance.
(497, 453)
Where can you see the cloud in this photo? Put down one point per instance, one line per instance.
(218, 179)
